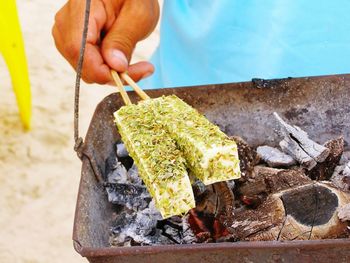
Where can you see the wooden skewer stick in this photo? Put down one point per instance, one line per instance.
(120, 85)
(132, 83)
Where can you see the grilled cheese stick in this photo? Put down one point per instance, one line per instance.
(210, 154)
(161, 164)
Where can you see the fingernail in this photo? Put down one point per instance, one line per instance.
(147, 75)
(117, 54)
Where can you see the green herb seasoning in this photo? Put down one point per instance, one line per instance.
(210, 154)
(161, 164)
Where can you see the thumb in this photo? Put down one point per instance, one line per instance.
(135, 21)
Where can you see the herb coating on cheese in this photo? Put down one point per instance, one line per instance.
(161, 164)
(210, 154)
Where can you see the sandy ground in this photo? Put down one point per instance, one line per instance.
(39, 172)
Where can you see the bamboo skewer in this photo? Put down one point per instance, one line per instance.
(132, 84)
(120, 85)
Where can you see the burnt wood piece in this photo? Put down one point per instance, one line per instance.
(274, 157)
(267, 181)
(341, 177)
(324, 170)
(213, 212)
(224, 209)
(248, 158)
(297, 144)
(266, 220)
(304, 212)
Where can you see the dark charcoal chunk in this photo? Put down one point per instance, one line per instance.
(118, 174)
(318, 204)
(324, 170)
(248, 158)
(132, 196)
(270, 180)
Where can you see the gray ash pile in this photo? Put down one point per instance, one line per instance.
(138, 221)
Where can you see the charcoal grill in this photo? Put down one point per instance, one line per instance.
(319, 105)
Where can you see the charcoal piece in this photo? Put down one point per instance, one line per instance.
(146, 221)
(274, 157)
(314, 198)
(213, 211)
(248, 158)
(304, 212)
(344, 213)
(217, 200)
(121, 150)
(297, 144)
(198, 187)
(118, 175)
(122, 220)
(110, 165)
(201, 225)
(136, 228)
(134, 197)
(293, 148)
(325, 169)
(118, 236)
(341, 177)
(176, 230)
(262, 223)
(271, 180)
(225, 202)
(133, 175)
(188, 235)
(171, 229)
(206, 201)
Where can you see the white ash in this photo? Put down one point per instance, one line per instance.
(344, 213)
(345, 158)
(133, 175)
(231, 184)
(346, 171)
(139, 222)
(119, 174)
(140, 227)
(274, 157)
(122, 190)
(297, 144)
(341, 177)
(121, 150)
(188, 235)
(134, 197)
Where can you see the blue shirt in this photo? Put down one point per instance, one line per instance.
(206, 41)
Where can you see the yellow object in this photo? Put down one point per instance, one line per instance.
(12, 49)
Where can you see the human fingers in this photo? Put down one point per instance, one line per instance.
(136, 19)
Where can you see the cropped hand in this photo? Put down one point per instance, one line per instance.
(115, 27)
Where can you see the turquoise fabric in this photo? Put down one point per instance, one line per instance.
(206, 41)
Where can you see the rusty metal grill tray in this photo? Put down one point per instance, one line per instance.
(319, 105)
